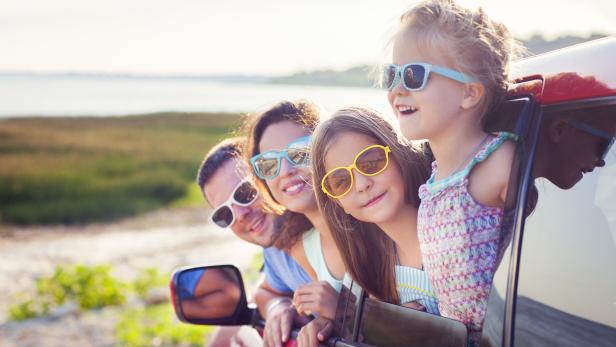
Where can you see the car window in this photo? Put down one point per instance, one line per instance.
(567, 276)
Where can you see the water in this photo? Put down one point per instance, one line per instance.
(51, 96)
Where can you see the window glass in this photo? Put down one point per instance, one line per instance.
(567, 277)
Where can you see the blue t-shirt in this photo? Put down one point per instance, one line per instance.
(188, 282)
(282, 273)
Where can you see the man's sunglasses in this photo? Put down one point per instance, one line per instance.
(244, 194)
(595, 132)
(371, 161)
(266, 165)
(414, 76)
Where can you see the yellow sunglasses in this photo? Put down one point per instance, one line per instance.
(370, 161)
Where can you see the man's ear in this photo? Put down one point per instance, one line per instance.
(557, 129)
(473, 93)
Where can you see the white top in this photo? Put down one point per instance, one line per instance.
(314, 253)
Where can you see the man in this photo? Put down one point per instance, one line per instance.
(224, 181)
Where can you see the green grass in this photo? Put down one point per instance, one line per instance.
(79, 170)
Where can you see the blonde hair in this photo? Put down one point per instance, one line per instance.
(368, 253)
(475, 44)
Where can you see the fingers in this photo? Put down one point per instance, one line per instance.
(325, 331)
(286, 323)
(272, 333)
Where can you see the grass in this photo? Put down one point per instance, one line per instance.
(79, 170)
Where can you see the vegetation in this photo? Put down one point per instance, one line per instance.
(89, 287)
(157, 326)
(78, 170)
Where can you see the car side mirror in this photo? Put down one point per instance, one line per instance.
(210, 295)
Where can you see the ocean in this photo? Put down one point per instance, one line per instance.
(54, 96)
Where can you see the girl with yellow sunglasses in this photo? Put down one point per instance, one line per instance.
(366, 179)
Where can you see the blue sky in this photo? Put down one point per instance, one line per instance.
(240, 36)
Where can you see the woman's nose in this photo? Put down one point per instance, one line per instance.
(286, 168)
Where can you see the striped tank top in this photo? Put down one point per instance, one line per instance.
(414, 285)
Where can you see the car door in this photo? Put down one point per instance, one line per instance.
(566, 290)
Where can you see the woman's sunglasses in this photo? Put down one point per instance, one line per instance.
(414, 76)
(609, 139)
(266, 165)
(243, 194)
(370, 161)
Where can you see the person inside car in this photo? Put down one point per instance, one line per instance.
(225, 183)
(574, 142)
(369, 178)
(278, 140)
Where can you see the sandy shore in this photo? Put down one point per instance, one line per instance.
(165, 239)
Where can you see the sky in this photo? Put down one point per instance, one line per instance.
(263, 37)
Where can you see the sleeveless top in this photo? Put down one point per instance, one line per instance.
(460, 241)
(414, 285)
(314, 253)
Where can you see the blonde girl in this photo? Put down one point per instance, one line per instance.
(449, 70)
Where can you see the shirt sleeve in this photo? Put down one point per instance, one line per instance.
(272, 266)
(188, 282)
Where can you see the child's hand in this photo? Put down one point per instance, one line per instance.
(316, 297)
(415, 305)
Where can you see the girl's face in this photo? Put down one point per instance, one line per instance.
(425, 113)
(373, 199)
(290, 188)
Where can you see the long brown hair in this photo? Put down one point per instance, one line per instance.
(368, 253)
(304, 113)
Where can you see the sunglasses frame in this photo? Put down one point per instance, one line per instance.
(595, 132)
(278, 156)
(349, 169)
(443, 71)
(231, 200)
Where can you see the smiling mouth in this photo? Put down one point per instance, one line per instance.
(256, 226)
(374, 200)
(295, 187)
(406, 110)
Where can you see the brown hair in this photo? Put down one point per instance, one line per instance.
(475, 44)
(303, 113)
(368, 253)
(218, 155)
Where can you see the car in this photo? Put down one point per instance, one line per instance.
(556, 282)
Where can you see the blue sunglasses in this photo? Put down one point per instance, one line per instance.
(609, 139)
(414, 76)
(266, 165)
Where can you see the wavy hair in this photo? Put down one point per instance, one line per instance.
(292, 225)
(475, 44)
(368, 253)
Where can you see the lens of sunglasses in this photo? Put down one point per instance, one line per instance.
(413, 76)
(267, 166)
(245, 193)
(371, 161)
(338, 182)
(389, 75)
(299, 156)
(223, 216)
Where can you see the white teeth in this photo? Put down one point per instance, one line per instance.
(403, 108)
(294, 188)
(255, 224)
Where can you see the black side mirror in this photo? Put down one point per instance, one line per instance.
(210, 295)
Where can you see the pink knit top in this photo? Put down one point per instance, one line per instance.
(460, 241)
